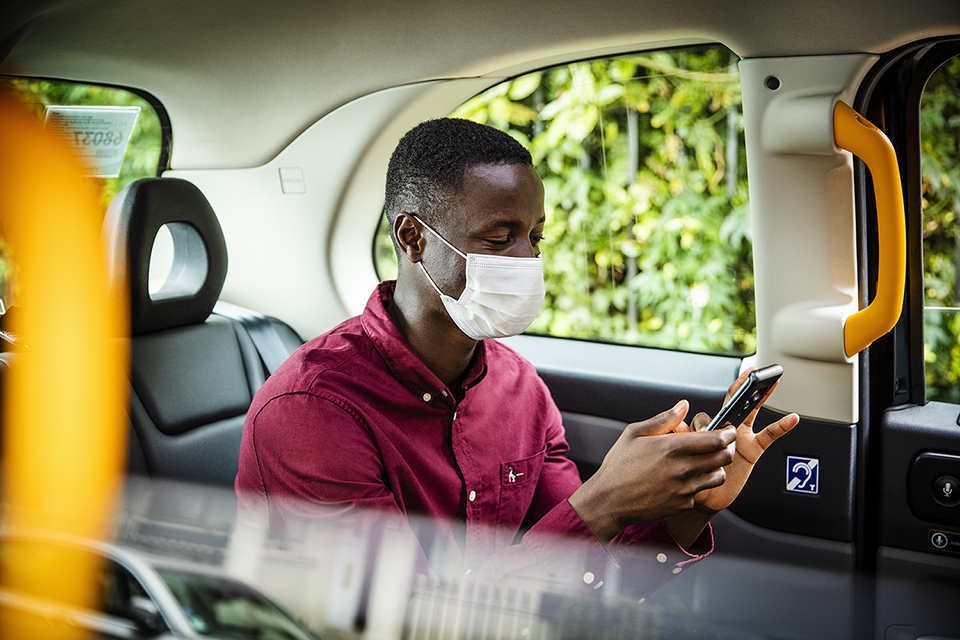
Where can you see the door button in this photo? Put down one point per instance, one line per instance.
(933, 488)
(946, 490)
(944, 541)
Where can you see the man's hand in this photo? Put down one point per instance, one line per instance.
(650, 473)
(750, 446)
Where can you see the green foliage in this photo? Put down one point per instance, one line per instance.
(647, 239)
(384, 255)
(940, 162)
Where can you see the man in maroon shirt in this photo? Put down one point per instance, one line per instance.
(411, 409)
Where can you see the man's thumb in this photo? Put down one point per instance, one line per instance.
(662, 422)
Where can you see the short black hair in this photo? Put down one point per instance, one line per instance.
(428, 165)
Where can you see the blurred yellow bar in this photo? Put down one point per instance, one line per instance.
(64, 404)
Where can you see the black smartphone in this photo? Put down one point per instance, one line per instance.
(747, 397)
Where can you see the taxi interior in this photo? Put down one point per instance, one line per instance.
(276, 124)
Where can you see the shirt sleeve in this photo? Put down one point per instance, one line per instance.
(645, 557)
(289, 463)
(561, 546)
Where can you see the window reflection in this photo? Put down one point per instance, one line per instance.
(228, 609)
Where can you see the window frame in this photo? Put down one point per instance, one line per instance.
(892, 369)
(166, 129)
(896, 85)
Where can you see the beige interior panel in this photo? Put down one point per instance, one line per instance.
(804, 231)
(280, 231)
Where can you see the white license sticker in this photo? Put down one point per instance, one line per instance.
(99, 135)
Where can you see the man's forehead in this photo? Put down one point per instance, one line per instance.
(498, 196)
(506, 184)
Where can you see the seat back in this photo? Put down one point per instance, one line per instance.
(193, 373)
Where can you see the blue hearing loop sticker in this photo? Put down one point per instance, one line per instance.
(803, 474)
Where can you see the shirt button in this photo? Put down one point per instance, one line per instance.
(588, 577)
(427, 397)
(444, 392)
(473, 496)
(677, 570)
(661, 558)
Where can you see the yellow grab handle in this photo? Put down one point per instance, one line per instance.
(857, 135)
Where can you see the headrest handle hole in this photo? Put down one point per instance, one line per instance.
(178, 262)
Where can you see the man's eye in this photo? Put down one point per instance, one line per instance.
(498, 242)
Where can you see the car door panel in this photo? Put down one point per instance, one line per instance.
(624, 382)
(779, 554)
(773, 584)
(823, 510)
(918, 559)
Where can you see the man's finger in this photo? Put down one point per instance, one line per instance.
(710, 480)
(700, 422)
(695, 443)
(705, 463)
(756, 410)
(661, 423)
(738, 383)
(772, 432)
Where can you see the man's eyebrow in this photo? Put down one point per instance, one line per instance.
(510, 223)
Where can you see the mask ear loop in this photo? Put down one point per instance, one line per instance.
(442, 239)
(420, 263)
(429, 279)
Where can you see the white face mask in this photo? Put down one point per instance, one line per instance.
(501, 298)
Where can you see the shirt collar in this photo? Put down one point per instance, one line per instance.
(403, 363)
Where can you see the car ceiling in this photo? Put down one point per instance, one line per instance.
(241, 78)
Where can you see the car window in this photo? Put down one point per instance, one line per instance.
(118, 589)
(115, 585)
(226, 608)
(647, 239)
(132, 146)
(940, 165)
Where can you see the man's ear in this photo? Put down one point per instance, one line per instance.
(410, 236)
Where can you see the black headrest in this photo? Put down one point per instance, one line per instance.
(199, 252)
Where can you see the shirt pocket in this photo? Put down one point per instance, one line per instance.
(518, 483)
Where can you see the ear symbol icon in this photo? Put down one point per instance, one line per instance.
(801, 466)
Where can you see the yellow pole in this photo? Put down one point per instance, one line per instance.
(64, 406)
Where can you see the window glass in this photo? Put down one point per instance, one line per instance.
(121, 593)
(226, 608)
(140, 160)
(940, 165)
(647, 239)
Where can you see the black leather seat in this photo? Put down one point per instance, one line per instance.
(193, 372)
